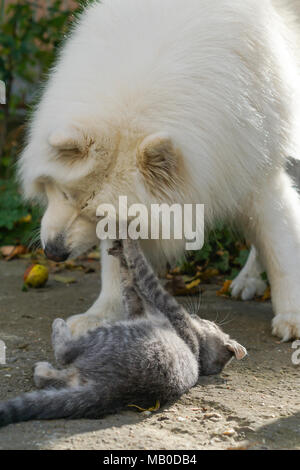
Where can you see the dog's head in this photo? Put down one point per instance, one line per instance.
(81, 168)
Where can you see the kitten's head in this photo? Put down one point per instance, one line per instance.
(216, 347)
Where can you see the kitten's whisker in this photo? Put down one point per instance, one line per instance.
(227, 323)
(191, 305)
(224, 319)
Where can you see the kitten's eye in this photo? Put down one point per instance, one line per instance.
(65, 196)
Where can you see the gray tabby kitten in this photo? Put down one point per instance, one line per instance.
(156, 354)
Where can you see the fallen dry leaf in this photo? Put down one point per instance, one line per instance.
(9, 252)
(193, 284)
(26, 256)
(229, 432)
(65, 279)
(26, 219)
(209, 273)
(153, 408)
(175, 270)
(225, 291)
(6, 250)
(178, 287)
(267, 295)
(93, 255)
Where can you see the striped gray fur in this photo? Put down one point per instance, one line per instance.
(156, 353)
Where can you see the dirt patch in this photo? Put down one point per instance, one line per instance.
(254, 404)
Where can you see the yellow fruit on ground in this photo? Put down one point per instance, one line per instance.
(36, 275)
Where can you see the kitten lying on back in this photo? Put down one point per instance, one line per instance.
(158, 353)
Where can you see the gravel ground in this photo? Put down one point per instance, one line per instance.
(254, 404)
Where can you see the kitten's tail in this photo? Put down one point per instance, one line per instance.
(79, 402)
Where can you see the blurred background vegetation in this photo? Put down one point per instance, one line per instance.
(30, 34)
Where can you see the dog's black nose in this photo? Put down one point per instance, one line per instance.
(56, 250)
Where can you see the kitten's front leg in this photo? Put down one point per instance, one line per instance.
(132, 302)
(147, 283)
(108, 305)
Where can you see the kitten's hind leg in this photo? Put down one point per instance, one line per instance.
(132, 302)
(45, 376)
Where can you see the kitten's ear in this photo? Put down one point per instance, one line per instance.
(157, 159)
(66, 138)
(239, 351)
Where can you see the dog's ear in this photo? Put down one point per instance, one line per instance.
(239, 351)
(158, 160)
(66, 138)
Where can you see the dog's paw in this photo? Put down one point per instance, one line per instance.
(79, 325)
(246, 287)
(287, 326)
(106, 308)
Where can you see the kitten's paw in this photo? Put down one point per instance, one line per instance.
(287, 326)
(246, 287)
(117, 251)
(60, 331)
(43, 371)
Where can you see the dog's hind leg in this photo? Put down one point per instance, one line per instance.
(273, 221)
(249, 282)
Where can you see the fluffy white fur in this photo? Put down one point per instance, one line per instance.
(220, 80)
(249, 282)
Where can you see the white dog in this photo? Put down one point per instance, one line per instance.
(185, 101)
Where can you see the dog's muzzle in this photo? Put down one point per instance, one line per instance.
(56, 250)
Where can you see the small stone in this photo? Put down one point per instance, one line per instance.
(163, 418)
(212, 416)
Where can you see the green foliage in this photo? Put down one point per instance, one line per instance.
(223, 250)
(28, 41)
(28, 45)
(14, 230)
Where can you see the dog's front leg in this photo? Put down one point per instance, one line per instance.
(108, 304)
